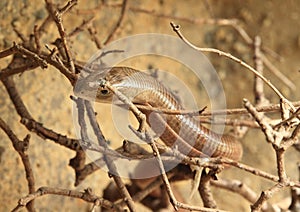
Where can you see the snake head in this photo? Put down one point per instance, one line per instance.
(94, 86)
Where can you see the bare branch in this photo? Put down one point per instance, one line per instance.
(176, 29)
(118, 24)
(87, 196)
(21, 147)
(57, 17)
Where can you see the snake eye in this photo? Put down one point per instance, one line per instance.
(104, 91)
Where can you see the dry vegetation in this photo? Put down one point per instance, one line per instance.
(40, 64)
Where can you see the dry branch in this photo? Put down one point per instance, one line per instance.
(87, 196)
(21, 147)
(30, 55)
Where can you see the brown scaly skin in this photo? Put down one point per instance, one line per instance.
(182, 131)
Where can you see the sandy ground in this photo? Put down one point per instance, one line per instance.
(46, 92)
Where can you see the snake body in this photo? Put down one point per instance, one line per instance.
(181, 131)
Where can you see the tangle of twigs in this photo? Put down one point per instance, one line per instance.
(281, 133)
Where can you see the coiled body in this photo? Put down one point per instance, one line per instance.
(181, 131)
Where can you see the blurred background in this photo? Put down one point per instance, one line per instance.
(46, 92)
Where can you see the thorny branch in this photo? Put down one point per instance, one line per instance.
(281, 134)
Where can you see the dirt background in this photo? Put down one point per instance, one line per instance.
(46, 92)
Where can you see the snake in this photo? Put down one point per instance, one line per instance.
(181, 131)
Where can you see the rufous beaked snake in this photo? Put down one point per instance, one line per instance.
(182, 131)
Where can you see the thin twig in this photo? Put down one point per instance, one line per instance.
(240, 188)
(20, 35)
(234, 111)
(235, 23)
(44, 25)
(212, 21)
(141, 117)
(33, 125)
(32, 55)
(258, 83)
(108, 160)
(94, 37)
(67, 7)
(278, 73)
(93, 121)
(260, 119)
(21, 147)
(118, 24)
(78, 162)
(290, 119)
(205, 191)
(229, 122)
(6, 72)
(87, 196)
(280, 165)
(81, 27)
(8, 52)
(251, 170)
(59, 65)
(37, 39)
(57, 17)
(176, 29)
(265, 195)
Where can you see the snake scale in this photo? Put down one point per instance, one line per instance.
(184, 132)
